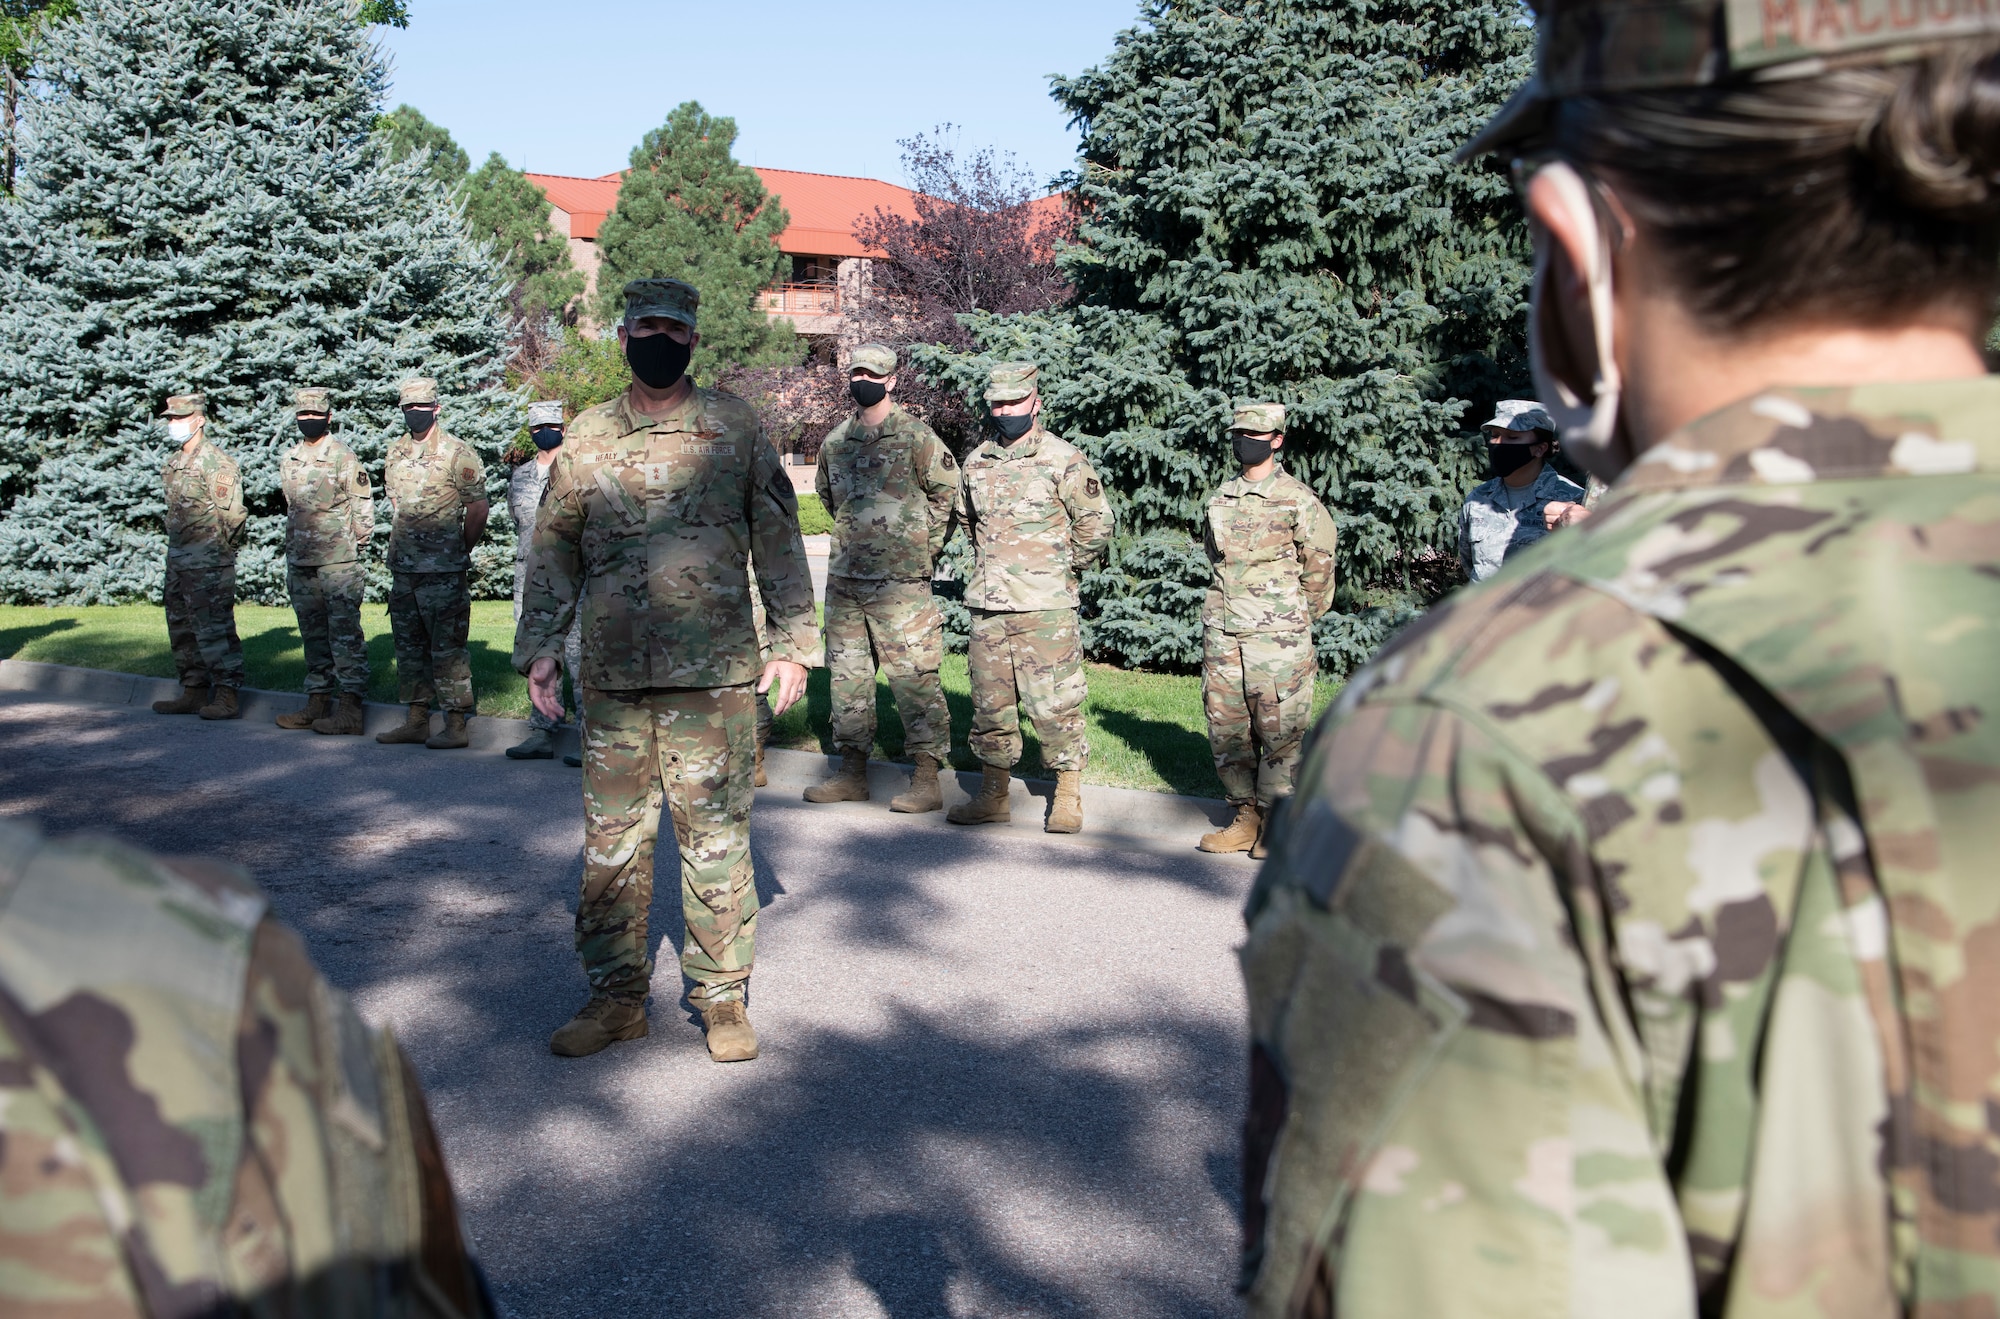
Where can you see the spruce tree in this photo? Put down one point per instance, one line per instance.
(689, 211)
(406, 131)
(504, 207)
(1271, 210)
(204, 207)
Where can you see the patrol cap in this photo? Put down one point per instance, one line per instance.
(416, 392)
(874, 358)
(547, 412)
(187, 405)
(312, 400)
(671, 298)
(1592, 47)
(1010, 382)
(1259, 418)
(1521, 414)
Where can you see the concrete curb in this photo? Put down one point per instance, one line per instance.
(1113, 817)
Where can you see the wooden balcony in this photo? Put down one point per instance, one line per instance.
(802, 300)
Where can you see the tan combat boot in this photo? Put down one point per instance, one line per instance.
(224, 706)
(991, 805)
(1241, 833)
(348, 718)
(604, 1021)
(731, 1039)
(1066, 814)
(1263, 847)
(416, 728)
(924, 794)
(452, 736)
(849, 782)
(317, 705)
(759, 779)
(190, 700)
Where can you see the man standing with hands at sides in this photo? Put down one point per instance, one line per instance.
(656, 506)
(329, 517)
(524, 497)
(438, 508)
(1037, 517)
(889, 483)
(1270, 546)
(205, 517)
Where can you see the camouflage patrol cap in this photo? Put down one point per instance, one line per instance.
(417, 392)
(874, 358)
(1592, 47)
(1259, 418)
(187, 405)
(547, 412)
(1010, 382)
(671, 298)
(1521, 414)
(312, 400)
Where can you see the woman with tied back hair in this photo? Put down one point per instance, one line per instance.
(1632, 943)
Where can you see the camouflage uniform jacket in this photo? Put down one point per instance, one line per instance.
(192, 1121)
(430, 485)
(650, 526)
(205, 513)
(1037, 517)
(1270, 549)
(1498, 520)
(1663, 862)
(890, 492)
(329, 504)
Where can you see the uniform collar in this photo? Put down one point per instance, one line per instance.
(630, 419)
(1027, 446)
(891, 424)
(1791, 436)
(1236, 485)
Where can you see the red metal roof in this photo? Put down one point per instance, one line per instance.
(823, 207)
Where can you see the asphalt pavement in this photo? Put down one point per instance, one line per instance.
(1001, 1074)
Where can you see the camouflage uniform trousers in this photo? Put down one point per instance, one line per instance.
(327, 600)
(1257, 689)
(691, 751)
(896, 625)
(201, 625)
(430, 613)
(1030, 661)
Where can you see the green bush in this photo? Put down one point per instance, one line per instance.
(814, 520)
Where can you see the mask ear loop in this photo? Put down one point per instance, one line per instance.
(1590, 429)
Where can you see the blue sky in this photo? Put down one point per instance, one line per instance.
(570, 89)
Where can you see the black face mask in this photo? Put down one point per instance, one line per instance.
(657, 360)
(1507, 459)
(1250, 451)
(868, 392)
(546, 437)
(313, 427)
(418, 420)
(1013, 428)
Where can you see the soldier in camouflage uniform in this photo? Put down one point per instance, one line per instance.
(205, 520)
(438, 509)
(1526, 498)
(329, 518)
(192, 1121)
(889, 483)
(1270, 546)
(1038, 518)
(1628, 947)
(655, 506)
(524, 497)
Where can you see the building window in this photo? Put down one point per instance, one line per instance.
(815, 269)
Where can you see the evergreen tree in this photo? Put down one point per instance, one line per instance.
(22, 23)
(1271, 210)
(503, 206)
(688, 211)
(405, 131)
(205, 208)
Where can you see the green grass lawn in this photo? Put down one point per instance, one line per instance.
(1146, 729)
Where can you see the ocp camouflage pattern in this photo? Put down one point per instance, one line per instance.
(192, 1121)
(327, 601)
(890, 492)
(524, 497)
(649, 527)
(430, 615)
(1631, 945)
(1257, 695)
(1270, 546)
(1037, 518)
(200, 605)
(1028, 661)
(329, 504)
(897, 627)
(430, 486)
(204, 509)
